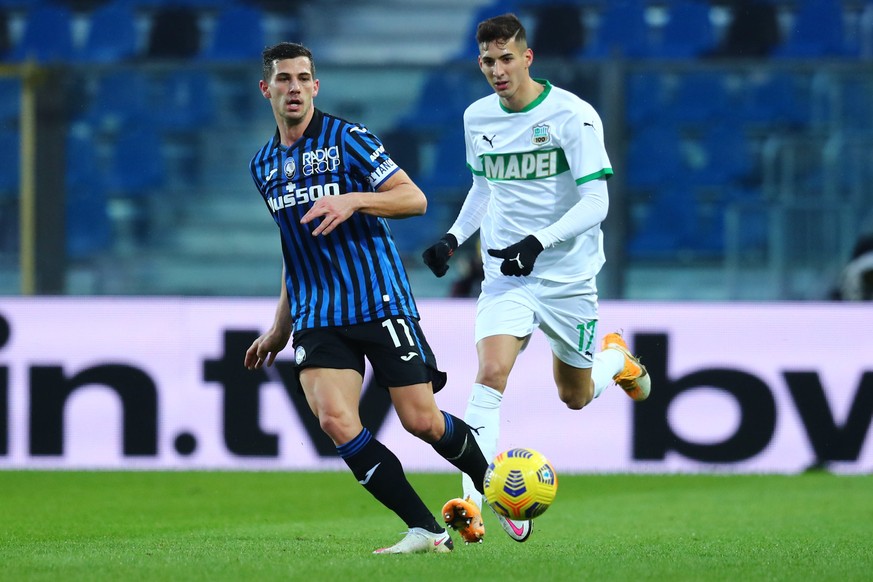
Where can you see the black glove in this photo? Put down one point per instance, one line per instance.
(518, 259)
(437, 257)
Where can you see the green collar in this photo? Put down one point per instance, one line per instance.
(547, 88)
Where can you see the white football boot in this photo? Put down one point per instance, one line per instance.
(418, 540)
(518, 530)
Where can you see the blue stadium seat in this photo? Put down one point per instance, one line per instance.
(121, 98)
(184, 100)
(9, 164)
(89, 230)
(9, 185)
(817, 32)
(698, 98)
(449, 170)
(239, 35)
(654, 157)
(47, 36)
(10, 99)
(495, 8)
(773, 98)
(137, 167)
(442, 99)
(688, 32)
(645, 98)
(622, 31)
(649, 238)
(726, 155)
(112, 35)
(855, 104)
(19, 4)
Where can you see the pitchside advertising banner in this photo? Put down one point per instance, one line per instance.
(159, 384)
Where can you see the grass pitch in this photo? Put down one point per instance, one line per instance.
(323, 526)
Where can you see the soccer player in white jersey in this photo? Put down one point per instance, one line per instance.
(538, 197)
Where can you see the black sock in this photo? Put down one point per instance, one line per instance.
(459, 447)
(380, 472)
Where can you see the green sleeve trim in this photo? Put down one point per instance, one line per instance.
(604, 173)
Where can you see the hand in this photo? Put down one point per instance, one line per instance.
(518, 259)
(333, 211)
(437, 257)
(264, 349)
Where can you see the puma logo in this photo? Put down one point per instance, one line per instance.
(490, 140)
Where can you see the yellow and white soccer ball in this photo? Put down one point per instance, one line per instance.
(520, 484)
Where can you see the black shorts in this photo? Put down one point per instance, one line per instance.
(395, 346)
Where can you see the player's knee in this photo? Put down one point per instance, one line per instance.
(423, 426)
(493, 375)
(337, 427)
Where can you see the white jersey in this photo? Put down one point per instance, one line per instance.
(534, 160)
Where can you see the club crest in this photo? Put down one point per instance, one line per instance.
(290, 168)
(541, 135)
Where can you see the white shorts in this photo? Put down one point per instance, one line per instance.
(565, 312)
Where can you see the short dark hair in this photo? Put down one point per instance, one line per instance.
(282, 51)
(501, 28)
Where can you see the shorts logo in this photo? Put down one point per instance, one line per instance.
(299, 355)
(321, 161)
(408, 356)
(541, 135)
(290, 168)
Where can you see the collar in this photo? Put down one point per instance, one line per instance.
(312, 130)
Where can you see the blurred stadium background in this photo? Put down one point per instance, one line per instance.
(741, 133)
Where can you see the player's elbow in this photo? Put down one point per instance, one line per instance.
(419, 205)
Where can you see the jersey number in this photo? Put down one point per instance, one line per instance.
(586, 335)
(389, 325)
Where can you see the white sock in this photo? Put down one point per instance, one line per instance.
(607, 363)
(483, 416)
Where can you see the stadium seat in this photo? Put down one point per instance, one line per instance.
(10, 100)
(688, 33)
(653, 157)
(645, 98)
(649, 239)
(494, 8)
(238, 36)
(726, 155)
(88, 227)
(121, 98)
(698, 99)
(773, 98)
(47, 35)
(112, 36)
(622, 31)
(855, 105)
(9, 186)
(137, 163)
(442, 99)
(184, 100)
(9, 164)
(449, 170)
(817, 31)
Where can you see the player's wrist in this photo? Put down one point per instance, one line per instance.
(533, 243)
(451, 240)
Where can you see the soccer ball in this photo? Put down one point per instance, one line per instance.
(520, 484)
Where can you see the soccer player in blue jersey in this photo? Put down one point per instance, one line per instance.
(329, 185)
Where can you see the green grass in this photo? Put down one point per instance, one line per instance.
(323, 526)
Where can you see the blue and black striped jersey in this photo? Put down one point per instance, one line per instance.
(354, 274)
